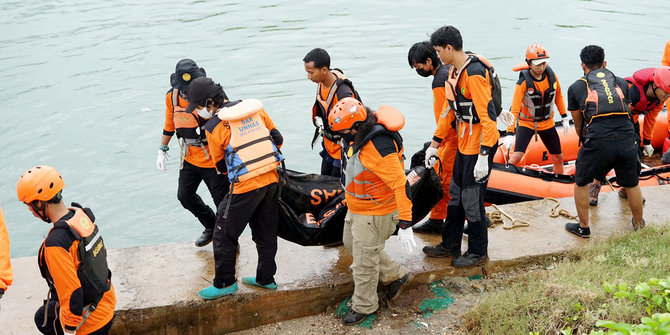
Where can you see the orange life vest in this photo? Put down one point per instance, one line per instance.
(322, 107)
(357, 180)
(605, 98)
(93, 272)
(188, 126)
(250, 151)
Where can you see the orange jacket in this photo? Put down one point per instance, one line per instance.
(343, 91)
(194, 155)
(519, 108)
(6, 275)
(59, 261)
(665, 60)
(218, 137)
(375, 178)
(474, 84)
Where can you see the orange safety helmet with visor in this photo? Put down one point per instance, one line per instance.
(37, 186)
(536, 54)
(346, 114)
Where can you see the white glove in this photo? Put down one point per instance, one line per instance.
(508, 142)
(566, 125)
(506, 118)
(481, 171)
(431, 157)
(318, 122)
(647, 150)
(407, 239)
(161, 160)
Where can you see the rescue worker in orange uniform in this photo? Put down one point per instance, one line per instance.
(6, 275)
(600, 107)
(196, 163)
(378, 200)
(422, 57)
(332, 86)
(535, 94)
(244, 142)
(648, 89)
(72, 259)
(472, 114)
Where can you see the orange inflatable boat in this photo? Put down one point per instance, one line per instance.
(537, 153)
(509, 183)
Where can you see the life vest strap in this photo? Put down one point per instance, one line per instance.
(258, 159)
(250, 143)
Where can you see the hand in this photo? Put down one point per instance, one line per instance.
(566, 125)
(481, 171)
(508, 142)
(431, 157)
(407, 239)
(161, 160)
(506, 118)
(647, 150)
(318, 122)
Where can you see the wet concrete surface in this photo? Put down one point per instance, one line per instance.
(157, 285)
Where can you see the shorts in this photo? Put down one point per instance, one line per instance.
(549, 138)
(598, 156)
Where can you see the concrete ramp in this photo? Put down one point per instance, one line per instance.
(157, 285)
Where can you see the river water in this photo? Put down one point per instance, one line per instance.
(83, 82)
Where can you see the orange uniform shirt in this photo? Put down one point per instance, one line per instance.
(6, 275)
(60, 252)
(519, 108)
(440, 101)
(218, 136)
(388, 173)
(194, 155)
(474, 84)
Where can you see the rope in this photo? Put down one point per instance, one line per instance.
(497, 218)
(555, 212)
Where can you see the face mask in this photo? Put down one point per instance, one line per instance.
(205, 114)
(423, 72)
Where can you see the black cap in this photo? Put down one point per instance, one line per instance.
(200, 90)
(185, 72)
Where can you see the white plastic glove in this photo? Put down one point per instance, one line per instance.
(647, 150)
(481, 171)
(431, 157)
(407, 239)
(506, 118)
(508, 142)
(566, 125)
(161, 160)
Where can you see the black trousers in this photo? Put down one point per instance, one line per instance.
(53, 326)
(190, 177)
(467, 200)
(260, 208)
(329, 165)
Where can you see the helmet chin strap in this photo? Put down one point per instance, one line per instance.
(41, 210)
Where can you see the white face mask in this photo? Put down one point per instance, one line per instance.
(205, 114)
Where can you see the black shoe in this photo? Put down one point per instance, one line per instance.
(469, 259)
(353, 318)
(441, 251)
(576, 229)
(430, 226)
(204, 238)
(396, 286)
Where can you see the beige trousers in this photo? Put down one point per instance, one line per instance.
(364, 237)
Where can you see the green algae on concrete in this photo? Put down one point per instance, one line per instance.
(442, 300)
(345, 306)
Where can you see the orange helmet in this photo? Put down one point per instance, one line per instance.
(536, 51)
(39, 183)
(661, 78)
(346, 113)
